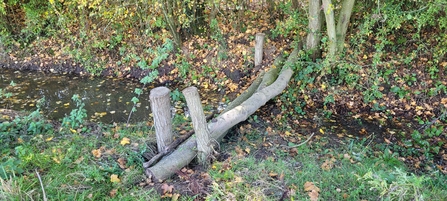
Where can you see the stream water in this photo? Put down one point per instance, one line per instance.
(106, 100)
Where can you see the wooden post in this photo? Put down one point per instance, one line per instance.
(259, 48)
(199, 122)
(161, 109)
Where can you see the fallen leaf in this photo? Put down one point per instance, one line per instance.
(273, 174)
(321, 131)
(167, 188)
(247, 149)
(239, 151)
(328, 164)
(237, 179)
(125, 141)
(96, 153)
(112, 193)
(122, 163)
(175, 197)
(114, 178)
(313, 191)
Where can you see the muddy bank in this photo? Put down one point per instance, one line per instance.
(69, 66)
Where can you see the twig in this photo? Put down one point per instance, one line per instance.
(41, 185)
(302, 142)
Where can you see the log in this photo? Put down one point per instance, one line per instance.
(263, 80)
(186, 152)
(161, 109)
(173, 145)
(199, 123)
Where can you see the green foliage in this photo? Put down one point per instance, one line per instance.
(161, 54)
(77, 116)
(24, 127)
(396, 185)
(10, 167)
(295, 21)
(217, 35)
(176, 96)
(371, 94)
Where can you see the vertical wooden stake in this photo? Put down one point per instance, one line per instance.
(259, 48)
(199, 122)
(161, 109)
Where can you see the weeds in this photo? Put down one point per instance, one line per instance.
(77, 116)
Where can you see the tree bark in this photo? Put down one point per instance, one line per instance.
(328, 9)
(343, 22)
(199, 122)
(186, 152)
(161, 109)
(313, 37)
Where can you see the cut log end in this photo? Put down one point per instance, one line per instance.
(159, 91)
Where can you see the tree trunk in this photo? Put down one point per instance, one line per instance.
(343, 22)
(168, 9)
(184, 154)
(328, 9)
(199, 122)
(161, 109)
(313, 37)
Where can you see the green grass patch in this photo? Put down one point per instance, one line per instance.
(352, 171)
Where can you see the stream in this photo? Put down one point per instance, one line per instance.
(106, 100)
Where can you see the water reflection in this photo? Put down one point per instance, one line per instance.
(106, 100)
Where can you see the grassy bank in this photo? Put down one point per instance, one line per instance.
(104, 162)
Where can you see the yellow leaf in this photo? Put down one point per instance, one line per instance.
(232, 87)
(247, 149)
(66, 104)
(114, 178)
(72, 130)
(49, 139)
(125, 141)
(56, 160)
(321, 131)
(365, 57)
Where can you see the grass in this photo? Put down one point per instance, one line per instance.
(351, 171)
(95, 163)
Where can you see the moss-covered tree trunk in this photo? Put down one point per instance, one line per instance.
(314, 35)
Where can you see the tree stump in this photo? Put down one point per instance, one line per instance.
(259, 48)
(161, 109)
(199, 122)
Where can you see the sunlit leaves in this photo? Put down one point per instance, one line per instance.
(114, 178)
(125, 141)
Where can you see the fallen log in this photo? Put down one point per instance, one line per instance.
(218, 127)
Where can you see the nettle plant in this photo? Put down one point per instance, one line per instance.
(160, 54)
(22, 128)
(77, 116)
